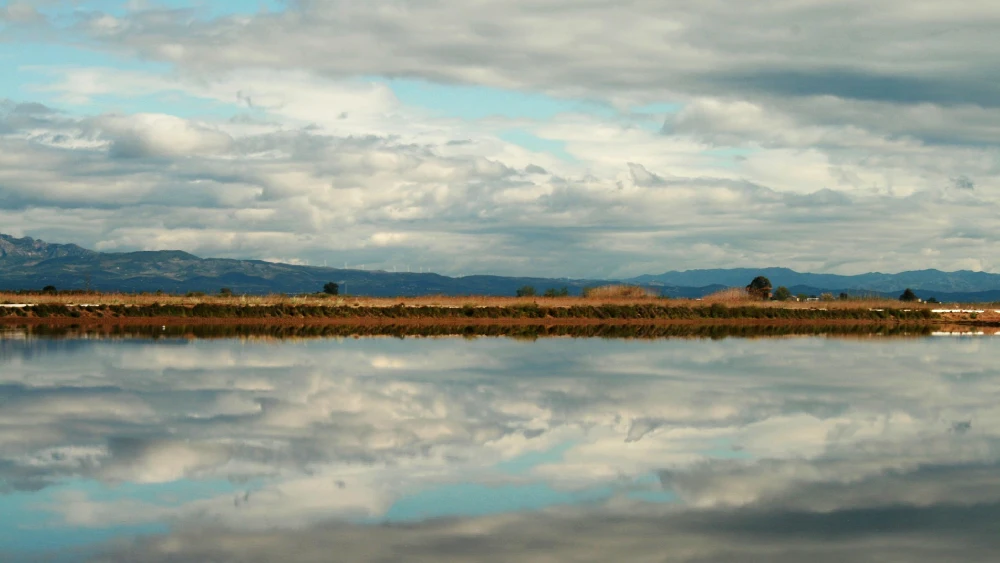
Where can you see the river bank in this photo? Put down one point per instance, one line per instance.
(645, 312)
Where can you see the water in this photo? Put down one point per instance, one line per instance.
(495, 449)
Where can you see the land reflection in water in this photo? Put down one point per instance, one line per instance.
(495, 449)
(515, 331)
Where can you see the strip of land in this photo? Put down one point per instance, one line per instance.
(631, 331)
(171, 310)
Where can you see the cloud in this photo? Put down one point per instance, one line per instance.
(799, 50)
(776, 135)
(20, 13)
(928, 534)
(151, 135)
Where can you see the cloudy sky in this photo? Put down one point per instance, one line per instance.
(551, 137)
(787, 449)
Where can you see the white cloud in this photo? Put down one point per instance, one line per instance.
(790, 134)
(152, 135)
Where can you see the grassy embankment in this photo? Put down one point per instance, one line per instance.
(613, 304)
(269, 332)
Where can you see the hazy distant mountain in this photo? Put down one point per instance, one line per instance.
(26, 263)
(927, 280)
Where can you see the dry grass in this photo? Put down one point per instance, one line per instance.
(733, 296)
(619, 292)
(607, 295)
(270, 300)
(738, 296)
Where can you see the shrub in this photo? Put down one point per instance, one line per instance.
(331, 288)
(760, 288)
(526, 291)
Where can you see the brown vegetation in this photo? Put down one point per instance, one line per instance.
(614, 292)
(618, 295)
(520, 330)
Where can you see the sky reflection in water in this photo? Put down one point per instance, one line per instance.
(497, 449)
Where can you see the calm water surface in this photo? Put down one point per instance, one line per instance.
(493, 449)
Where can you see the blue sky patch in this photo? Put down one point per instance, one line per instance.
(535, 143)
(27, 524)
(480, 102)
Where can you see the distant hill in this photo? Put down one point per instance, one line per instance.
(27, 263)
(927, 280)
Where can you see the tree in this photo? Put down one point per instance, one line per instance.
(226, 292)
(933, 300)
(331, 288)
(908, 295)
(760, 288)
(782, 294)
(526, 291)
(844, 297)
(49, 289)
(802, 297)
(826, 297)
(552, 292)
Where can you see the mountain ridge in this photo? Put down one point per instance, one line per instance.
(960, 281)
(28, 263)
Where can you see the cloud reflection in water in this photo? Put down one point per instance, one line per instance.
(433, 449)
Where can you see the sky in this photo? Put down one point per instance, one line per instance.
(520, 137)
(559, 449)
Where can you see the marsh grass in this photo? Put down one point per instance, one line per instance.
(606, 296)
(613, 292)
(527, 332)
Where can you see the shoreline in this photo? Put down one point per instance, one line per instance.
(522, 329)
(526, 312)
(442, 321)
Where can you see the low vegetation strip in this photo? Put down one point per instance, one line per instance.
(526, 311)
(526, 332)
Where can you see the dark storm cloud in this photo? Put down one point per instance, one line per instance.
(916, 534)
(864, 86)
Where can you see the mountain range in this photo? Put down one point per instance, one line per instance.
(27, 263)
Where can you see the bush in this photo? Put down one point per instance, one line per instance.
(760, 288)
(526, 291)
(331, 288)
(552, 292)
